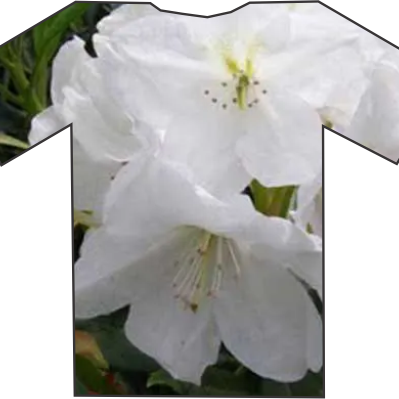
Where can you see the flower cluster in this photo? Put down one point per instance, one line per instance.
(175, 121)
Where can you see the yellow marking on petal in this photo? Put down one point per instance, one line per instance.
(232, 65)
(249, 68)
(83, 218)
(326, 121)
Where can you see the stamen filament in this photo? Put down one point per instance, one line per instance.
(235, 260)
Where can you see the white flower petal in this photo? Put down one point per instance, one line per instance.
(112, 271)
(308, 266)
(109, 276)
(91, 180)
(164, 35)
(124, 14)
(154, 194)
(260, 27)
(70, 56)
(267, 320)
(45, 124)
(91, 177)
(283, 143)
(315, 339)
(323, 73)
(146, 56)
(205, 142)
(282, 241)
(314, 22)
(182, 341)
(90, 129)
(376, 122)
(79, 91)
(310, 205)
(150, 195)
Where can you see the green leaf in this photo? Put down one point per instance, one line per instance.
(274, 388)
(47, 39)
(80, 389)
(272, 201)
(215, 382)
(261, 196)
(11, 119)
(91, 376)
(162, 378)
(120, 354)
(56, 26)
(311, 385)
(12, 142)
(222, 382)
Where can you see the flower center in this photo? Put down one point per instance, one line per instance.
(200, 269)
(242, 89)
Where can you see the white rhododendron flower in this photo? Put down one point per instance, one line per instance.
(214, 85)
(309, 212)
(122, 15)
(376, 121)
(103, 136)
(191, 268)
(315, 22)
(334, 84)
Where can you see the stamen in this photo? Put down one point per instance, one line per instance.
(234, 257)
(217, 273)
(206, 92)
(216, 281)
(187, 287)
(214, 100)
(201, 268)
(189, 256)
(219, 250)
(189, 281)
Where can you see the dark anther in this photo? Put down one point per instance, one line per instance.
(256, 82)
(214, 100)
(264, 91)
(206, 92)
(224, 84)
(224, 106)
(234, 100)
(248, 191)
